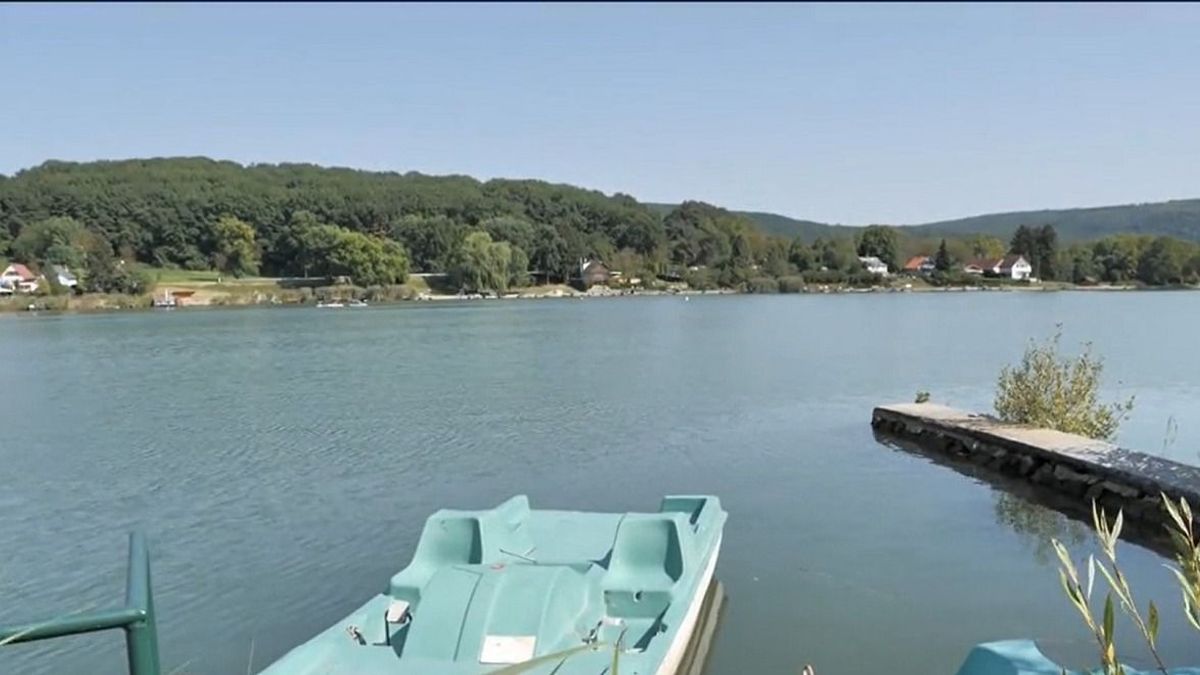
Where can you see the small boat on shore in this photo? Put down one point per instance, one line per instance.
(356, 303)
(164, 301)
(1022, 657)
(513, 590)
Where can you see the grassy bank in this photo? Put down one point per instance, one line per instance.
(211, 289)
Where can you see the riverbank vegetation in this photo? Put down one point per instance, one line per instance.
(114, 223)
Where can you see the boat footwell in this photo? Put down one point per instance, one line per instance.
(512, 589)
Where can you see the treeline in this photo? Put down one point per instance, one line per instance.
(299, 220)
(1116, 259)
(375, 228)
(165, 212)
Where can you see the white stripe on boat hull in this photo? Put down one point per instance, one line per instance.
(683, 636)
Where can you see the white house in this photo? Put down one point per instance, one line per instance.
(874, 265)
(18, 277)
(1015, 267)
(64, 276)
(1009, 267)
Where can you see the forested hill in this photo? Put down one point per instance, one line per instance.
(164, 211)
(781, 226)
(1177, 218)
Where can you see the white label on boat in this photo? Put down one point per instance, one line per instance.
(506, 649)
(396, 611)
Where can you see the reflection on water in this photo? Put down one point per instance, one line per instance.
(1037, 525)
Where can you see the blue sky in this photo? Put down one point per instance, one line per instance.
(855, 114)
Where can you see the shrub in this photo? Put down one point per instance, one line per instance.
(762, 285)
(701, 279)
(1053, 392)
(824, 277)
(388, 293)
(791, 284)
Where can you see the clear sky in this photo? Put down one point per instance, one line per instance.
(855, 114)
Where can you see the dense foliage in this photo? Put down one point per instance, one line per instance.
(304, 220)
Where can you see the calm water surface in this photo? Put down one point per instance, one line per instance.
(283, 461)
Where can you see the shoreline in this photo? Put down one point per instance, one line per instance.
(233, 298)
(107, 304)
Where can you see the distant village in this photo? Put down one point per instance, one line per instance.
(18, 278)
(1014, 267)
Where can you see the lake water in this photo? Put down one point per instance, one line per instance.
(282, 461)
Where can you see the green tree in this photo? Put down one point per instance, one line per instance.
(1046, 254)
(800, 255)
(1039, 246)
(1078, 264)
(1162, 262)
(984, 246)
(481, 264)
(234, 249)
(518, 267)
(367, 260)
(880, 241)
(1118, 257)
(429, 239)
(836, 254)
(775, 255)
(942, 261)
(549, 253)
(1024, 242)
(51, 241)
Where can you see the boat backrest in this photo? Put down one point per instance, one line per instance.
(647, 544)
(647, 561)
(464, 538)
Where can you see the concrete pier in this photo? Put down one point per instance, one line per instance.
(1075, 467)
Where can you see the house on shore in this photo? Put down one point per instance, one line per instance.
(64, 277)
(593, 273)
(874, 265)
(18, 278)
(1013, 266)
(919, 264)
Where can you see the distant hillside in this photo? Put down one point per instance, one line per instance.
(782, 226)
(1177, 218)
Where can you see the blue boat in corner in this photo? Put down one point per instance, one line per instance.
(1022, 657)
(511, 589)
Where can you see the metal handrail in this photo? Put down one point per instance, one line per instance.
(136, 617)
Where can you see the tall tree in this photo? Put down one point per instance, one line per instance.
(942, 261)
(800, 255)
(880, 241)
(1046, 253)
(481, 264)
(1024, 242)
(984, 246)
(1162, 262)
(234, 249)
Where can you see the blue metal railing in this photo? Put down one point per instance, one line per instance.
(136, 617)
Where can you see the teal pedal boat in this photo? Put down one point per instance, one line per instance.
(1022, 657)
(512, 590)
